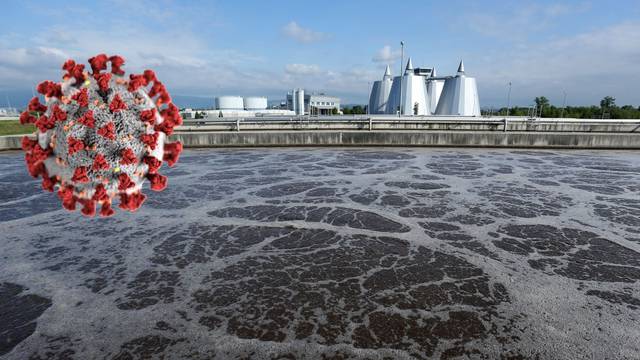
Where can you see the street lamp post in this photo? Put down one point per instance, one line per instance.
(401, 73)
(564, 103)
(509, 99)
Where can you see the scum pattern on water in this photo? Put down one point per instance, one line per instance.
(336, 254)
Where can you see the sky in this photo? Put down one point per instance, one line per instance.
(584, 49)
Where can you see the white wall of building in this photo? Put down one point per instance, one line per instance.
(212, 115)
(414, 94)
(434, 90)
(380, 91)
(459, 97)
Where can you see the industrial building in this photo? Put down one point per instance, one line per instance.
(238, 106)
(313, 104)
(420, 91)
(9, 112)
(188, 113)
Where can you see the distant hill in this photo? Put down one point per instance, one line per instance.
(194, 102)
(20, 98)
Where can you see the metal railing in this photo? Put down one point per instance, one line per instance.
(414, 123)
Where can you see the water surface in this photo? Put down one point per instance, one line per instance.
(338, 253)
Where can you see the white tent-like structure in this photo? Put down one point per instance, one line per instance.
(414, 94)
(380, 93)
(459, 96)
(393, 101)
(434, 90)
(420, 92)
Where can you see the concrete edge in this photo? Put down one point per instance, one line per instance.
(480, 139)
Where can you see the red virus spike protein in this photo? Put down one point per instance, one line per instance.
(101, 135)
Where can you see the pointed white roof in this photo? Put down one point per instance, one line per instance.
(461, 67)
(433, 72)
(387, 72)
(409, 66)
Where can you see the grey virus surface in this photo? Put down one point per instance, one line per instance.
(334, 254)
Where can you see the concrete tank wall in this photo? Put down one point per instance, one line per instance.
(570, 134)
(11, 142)
(396, 138)
(413, 123)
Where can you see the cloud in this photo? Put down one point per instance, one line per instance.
(386, 55)
(302, 35)
(352, 84)
(520, 23)
(554, 10)
(181, 57)
(302, 69)
(23, 57)
(24, 67)
(167, 41)
(587, 66)
(355, 80)
(185, 58)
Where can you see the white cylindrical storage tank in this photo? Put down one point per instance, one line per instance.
(294, 100)
(229, 103)
(255, 103)
(299, 101)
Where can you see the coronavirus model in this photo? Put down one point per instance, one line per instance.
(100, 135)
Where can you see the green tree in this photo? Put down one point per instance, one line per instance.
(541, 103)
(608, 102)
(358, 109)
